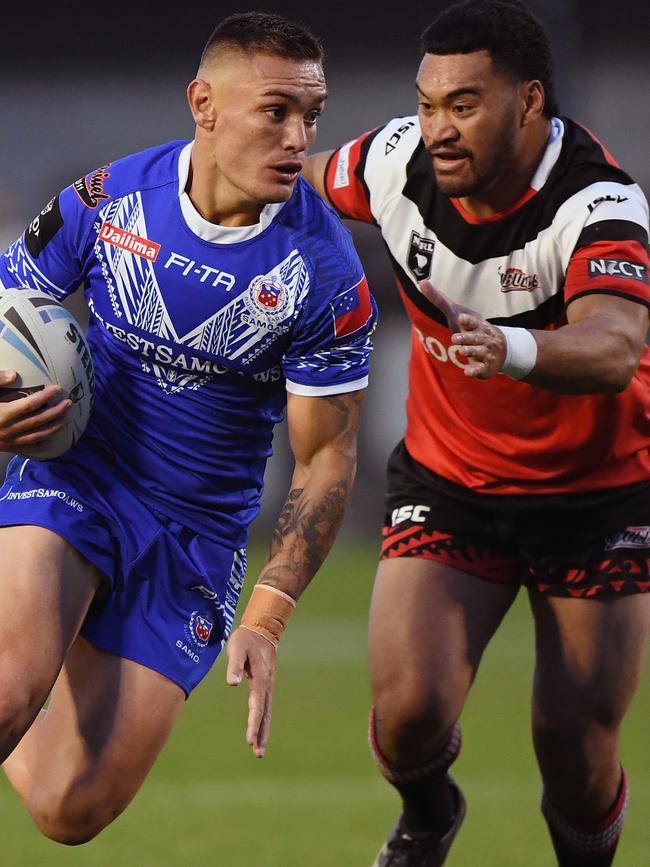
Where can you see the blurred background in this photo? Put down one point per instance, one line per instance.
(82, 84)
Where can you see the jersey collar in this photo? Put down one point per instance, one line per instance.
(212, 231)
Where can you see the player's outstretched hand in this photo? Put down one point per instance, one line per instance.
(253, 657)
(483, 344)
(29, 421)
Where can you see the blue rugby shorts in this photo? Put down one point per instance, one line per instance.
(172, 592)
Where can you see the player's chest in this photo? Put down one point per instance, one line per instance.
(231, 302)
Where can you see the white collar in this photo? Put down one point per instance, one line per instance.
(551, 154)
(212, 231)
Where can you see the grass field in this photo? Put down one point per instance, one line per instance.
(316, 799)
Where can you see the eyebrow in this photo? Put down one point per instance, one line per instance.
(460, 91)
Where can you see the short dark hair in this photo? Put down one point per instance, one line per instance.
(270, 34)
(515, 39)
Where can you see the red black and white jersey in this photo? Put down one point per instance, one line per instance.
(581, 228)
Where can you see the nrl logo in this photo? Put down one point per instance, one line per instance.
(420, 256)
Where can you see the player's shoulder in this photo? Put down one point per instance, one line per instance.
(316, 229)
(588, 185)
(583, 164)
(154, 167)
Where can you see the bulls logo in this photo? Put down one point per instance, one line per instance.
(420, 256)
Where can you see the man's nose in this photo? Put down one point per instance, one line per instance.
(296, 135)
(438, 128)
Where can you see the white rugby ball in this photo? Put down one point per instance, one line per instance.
(45, 345)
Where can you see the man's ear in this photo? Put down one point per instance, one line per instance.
(200, 99)
(533, 102)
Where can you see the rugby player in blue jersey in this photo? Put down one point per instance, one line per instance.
(221, 290)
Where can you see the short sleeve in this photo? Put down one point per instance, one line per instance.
(50, 255)
(330, 351)
(611, 253)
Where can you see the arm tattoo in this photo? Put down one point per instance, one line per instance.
(311, 516)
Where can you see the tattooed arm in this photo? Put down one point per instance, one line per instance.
(323, 436)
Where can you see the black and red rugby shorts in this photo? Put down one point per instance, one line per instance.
(586, 544)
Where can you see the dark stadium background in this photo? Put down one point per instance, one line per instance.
(84, 83)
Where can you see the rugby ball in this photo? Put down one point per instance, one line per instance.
(45, 345)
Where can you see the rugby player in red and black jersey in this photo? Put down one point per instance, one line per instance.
(520, 249)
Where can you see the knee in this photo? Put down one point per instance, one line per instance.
(413, 721)
(74, 816)
(20, 703)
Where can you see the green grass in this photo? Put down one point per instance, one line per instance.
(316, 799)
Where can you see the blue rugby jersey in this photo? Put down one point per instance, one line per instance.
(197, 331)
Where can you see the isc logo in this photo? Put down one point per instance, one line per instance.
(417, 514)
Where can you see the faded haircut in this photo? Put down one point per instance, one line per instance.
(507, 29)
(266, 33)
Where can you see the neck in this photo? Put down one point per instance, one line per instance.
(514, 182)
(216, 200)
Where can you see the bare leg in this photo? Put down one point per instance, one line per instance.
(46, 587)
(589, 658)
(86, 758)
(429, 626)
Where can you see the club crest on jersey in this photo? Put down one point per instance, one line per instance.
(268, 301)
(420, 256)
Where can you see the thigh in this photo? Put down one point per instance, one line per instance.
(107, 721)
(589, 656)
(429, 626)
(46, 588)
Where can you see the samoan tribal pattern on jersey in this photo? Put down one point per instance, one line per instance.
(582, 228)
(197, 331)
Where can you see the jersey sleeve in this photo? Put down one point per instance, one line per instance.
(50, 255)
(330, 351)
(362, 174)
(610, 255)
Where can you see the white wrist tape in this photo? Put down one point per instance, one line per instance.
(521, 352)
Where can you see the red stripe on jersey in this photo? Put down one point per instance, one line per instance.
(346, 191)
(477, 221)
(620, 267)
(610, 159)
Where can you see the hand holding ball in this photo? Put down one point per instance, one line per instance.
(45, 345)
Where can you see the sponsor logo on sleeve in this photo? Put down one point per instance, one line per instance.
(620, 269)
(341, 174)
(394, 140)
(420, 256)
(90, 188)
(599, 201)
(43, 228)
(128, 241)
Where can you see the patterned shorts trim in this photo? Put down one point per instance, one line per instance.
(575, 545)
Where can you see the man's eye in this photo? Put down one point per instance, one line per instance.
(312, 117)
(276, 112)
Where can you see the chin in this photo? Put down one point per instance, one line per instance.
(455, 189)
